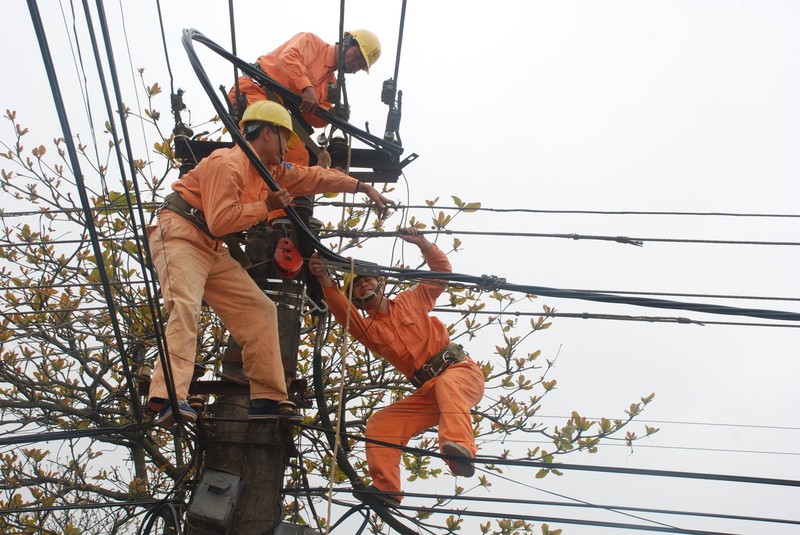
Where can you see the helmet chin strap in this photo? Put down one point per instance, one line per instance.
(280, 146)
(369, 298)
(366, 299)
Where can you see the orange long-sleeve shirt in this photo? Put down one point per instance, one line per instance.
(303, 61)
(408, 336)
(227, 188)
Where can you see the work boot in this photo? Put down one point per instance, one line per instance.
(389, 500)
(165, 418)
(459, 467)
(265, 409)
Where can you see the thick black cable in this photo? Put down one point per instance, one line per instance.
(290, 99)
(491, 283)
(637, 241)
(580, 505)
(342, 461)
(576, 467)
(568, 212)
(166, 50)
(120, 162)
(400, 41)
(339, 204)
(33, 438)
(340, 79)
(81, 506)
(616, 317)
(327, 254)
(81, 187)
(560, 520)
(232, 20)
(151, 285)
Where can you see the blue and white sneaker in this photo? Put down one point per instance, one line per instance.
(165, 418)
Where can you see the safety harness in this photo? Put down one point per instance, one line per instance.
(452, 354)
(175, 203)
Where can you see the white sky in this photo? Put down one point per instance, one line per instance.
(638, 105)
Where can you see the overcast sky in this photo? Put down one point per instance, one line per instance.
(610, 106)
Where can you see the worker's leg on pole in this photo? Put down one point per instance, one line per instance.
(457, 390)
(396, 424)
(252, 319)
(182, 257)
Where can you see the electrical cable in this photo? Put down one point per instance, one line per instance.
(164, 44)
(340, 409)
(578, 505)
(578, 212)
(637, 241)
(76, 169)
(576, 467)
(484, 282)
(615, 317)
(143, 247)
(327, 429)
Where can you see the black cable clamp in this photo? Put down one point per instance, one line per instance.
(490, 283)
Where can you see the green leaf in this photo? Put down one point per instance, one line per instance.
(472, 207)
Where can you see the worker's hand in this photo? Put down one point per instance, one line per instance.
(375, 196)
(310, 103)
(317, 268)
(412, 235)
(278, 199)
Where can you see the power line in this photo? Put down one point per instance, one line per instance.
(580, 505)
(638, 241)
(78, 506)
(616, 317)
(576, 467)
(650, 446)
(711, 424)
(73, 434)
(575, 212)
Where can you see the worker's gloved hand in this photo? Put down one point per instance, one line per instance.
(277, 199)
(375, 196)
(309, 102)
(412, 235)
(317, 268)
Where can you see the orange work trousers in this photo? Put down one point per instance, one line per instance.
(191, 267)
(445, 400)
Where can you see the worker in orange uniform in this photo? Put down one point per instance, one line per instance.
(306, 65)
(222, 195)
(449, 383)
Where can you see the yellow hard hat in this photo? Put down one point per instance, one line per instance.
(369, 44)
(266, 111)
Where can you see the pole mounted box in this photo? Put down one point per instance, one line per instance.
(213, 502)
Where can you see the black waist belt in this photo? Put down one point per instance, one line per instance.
(451, 354)
(175, 203)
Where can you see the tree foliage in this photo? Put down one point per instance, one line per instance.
(74, 323)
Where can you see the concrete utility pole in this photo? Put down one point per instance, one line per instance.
(255, 451)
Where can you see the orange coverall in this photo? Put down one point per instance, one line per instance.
(192, 266)
(303, 61)
(408, 337)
